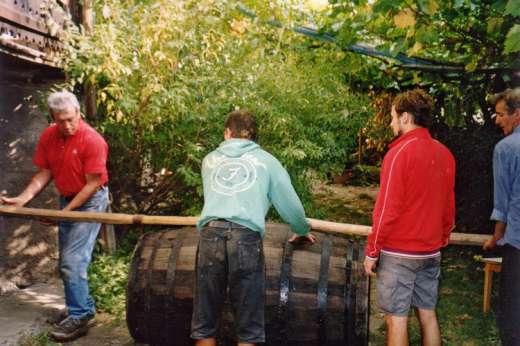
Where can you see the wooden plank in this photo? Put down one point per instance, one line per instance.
(8, 12)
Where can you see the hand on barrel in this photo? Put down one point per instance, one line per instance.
(308, 237)
(370, 266)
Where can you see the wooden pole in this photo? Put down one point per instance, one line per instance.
(128, 219)
(109, 218)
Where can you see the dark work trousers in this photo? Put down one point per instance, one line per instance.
(508, 318)
(229, 258)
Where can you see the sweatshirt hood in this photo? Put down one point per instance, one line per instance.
(236, 147)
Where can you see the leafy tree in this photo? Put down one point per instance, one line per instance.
(168, 72)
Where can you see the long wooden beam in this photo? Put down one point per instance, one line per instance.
(361, 230)
(128, 219)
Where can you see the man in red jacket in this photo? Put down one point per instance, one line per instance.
(413, 217)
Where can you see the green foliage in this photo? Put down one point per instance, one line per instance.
(513, 40)
(454, 31)
(108, 276)
(478, 38)
(513, 8)
(168, 72)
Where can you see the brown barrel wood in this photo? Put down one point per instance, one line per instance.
(316, 294)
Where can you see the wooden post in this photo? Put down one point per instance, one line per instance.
(108, 235)
(492, 265)
(87, 20)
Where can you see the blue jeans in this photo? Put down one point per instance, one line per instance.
(76, 243)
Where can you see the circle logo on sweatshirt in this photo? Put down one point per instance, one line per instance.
(233, 175)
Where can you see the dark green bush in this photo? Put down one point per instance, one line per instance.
(363, 175)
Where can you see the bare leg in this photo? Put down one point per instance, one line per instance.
(397, 330)
(431, 334)
(206, 342)
(244, 344)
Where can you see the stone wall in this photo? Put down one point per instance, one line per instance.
(28, 249)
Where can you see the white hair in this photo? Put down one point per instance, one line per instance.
(62, 101)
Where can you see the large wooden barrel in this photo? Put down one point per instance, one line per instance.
(316, 294)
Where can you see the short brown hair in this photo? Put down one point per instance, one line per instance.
(511, 97)
(416, 102)
(242, 124)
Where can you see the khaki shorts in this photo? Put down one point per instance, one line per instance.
(404, 282)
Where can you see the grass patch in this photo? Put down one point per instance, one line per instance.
(460, 300)
(40, 339)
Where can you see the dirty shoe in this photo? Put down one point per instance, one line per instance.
(61, 315)
(56, 317)
(71, 328)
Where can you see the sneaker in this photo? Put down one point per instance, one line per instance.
(71, 328)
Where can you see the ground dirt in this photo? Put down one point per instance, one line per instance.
(25, 313)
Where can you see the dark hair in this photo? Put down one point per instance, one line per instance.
(416, 102)
(511, 97)
(242, 124)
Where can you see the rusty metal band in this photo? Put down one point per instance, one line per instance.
(283, 310)
(363, 292)
(131, 290)
(349, 295)
(322, 294)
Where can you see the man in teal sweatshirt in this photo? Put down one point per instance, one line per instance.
(240, 182)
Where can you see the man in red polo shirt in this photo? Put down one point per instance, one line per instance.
(413, 217)
(74, 155)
